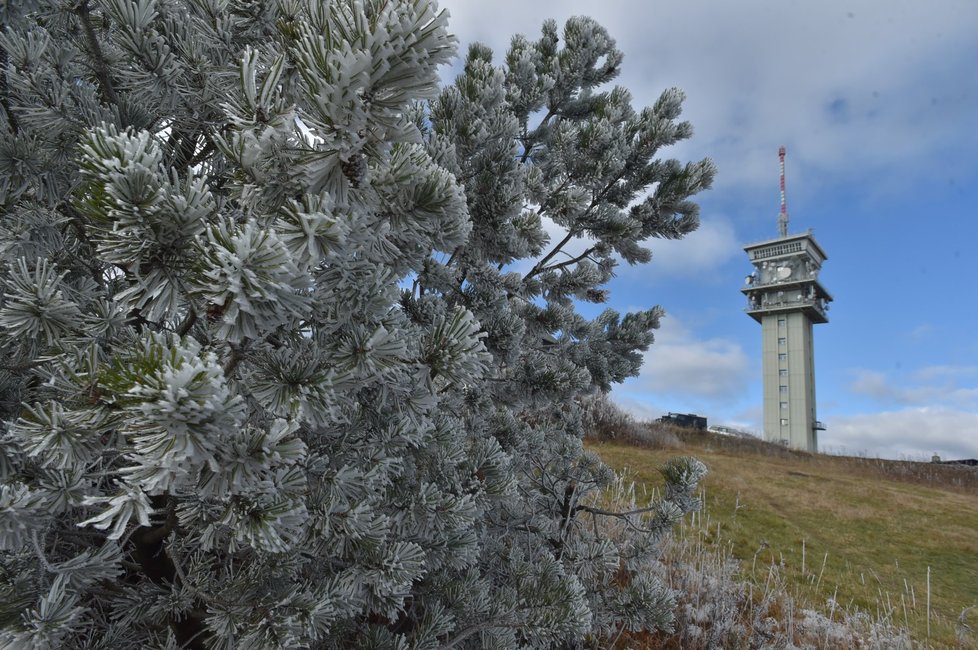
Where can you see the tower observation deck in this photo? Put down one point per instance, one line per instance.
(784, 295)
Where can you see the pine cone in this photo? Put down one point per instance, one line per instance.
(355, 168)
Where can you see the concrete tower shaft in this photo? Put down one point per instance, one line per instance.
(784, 295)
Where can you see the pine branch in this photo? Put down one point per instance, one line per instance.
(568, 508)
(540, 266)
(5, 93)
(21, 366)
(464, 634)
(77, 222)
(106, 89)
(181, 146)
(39, 549)
(157, 534)
(623, 516)
(155, 562)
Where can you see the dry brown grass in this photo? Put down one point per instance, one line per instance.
(861, 532)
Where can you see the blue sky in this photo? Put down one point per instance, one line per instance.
(877, 104)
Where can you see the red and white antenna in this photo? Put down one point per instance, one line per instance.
(783, 216)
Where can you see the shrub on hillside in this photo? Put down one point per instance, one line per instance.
(717, 606)
(603, 420)
(290, 356)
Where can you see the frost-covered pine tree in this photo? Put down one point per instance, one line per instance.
(287, 357)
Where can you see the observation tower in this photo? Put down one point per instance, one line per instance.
(785, 297)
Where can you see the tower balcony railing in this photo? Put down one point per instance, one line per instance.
(817, 306)
(756, 282)
(806, 286)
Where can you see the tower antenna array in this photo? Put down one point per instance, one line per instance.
(783, 216)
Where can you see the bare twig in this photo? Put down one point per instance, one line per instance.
(187, 323)
(573, 260)
(237, 354)
(39, 549)
(539, 266)
(610, 513)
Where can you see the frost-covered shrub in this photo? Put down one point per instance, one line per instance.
(603, 420)
(288, 356)
(718, 606)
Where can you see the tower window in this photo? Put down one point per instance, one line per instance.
(782, 341)
(783, 372)
(782, 356)
(781, 321)
(784, 422)
(783, 388)
(784, 406)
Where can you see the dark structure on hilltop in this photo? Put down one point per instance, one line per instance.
(688, 420)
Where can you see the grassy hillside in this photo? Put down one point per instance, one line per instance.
(861, 532)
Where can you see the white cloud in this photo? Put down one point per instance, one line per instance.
(641, 410)
(928, 410)
(556, 232)
(680, 364)
(873, 384)
(850, 89)
(922, 331)
(931, 373)
(748, 420)
(697, 256)
(701, 253)
(931, 386)
(880, 93)
(912, 433)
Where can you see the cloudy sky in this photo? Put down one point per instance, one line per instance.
(877, 104)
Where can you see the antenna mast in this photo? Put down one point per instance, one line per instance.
(783, 216)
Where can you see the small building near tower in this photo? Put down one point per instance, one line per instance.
(784, 295)
(686, 420)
